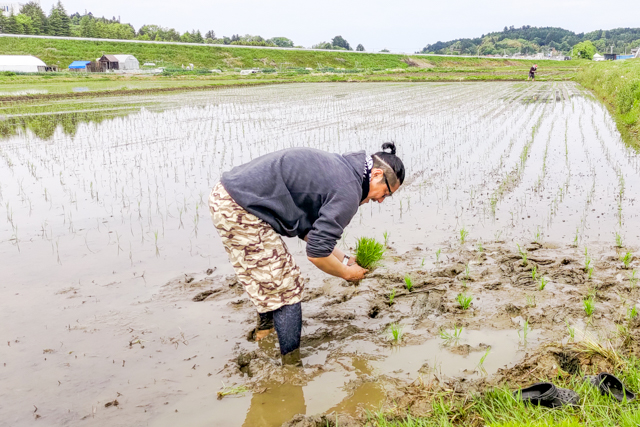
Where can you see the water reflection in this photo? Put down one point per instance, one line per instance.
(277, 405)
(334, 391)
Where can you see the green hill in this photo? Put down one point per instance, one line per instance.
(528, 39)
(62, 52)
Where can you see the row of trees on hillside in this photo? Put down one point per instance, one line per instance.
(528, 40)
(337, 43)
(33, 20)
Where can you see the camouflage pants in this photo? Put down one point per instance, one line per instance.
(259, 256)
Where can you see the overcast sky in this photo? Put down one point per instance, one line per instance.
(400, 25)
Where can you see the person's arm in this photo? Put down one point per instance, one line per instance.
(341, 255)
(333, 265)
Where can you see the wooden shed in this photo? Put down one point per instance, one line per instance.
(109, 62)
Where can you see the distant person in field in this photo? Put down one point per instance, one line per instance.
(299, 192)
(532, 72)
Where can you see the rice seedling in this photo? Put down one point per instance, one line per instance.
(451, 337)
(632, 313)
(537, 237)
(369, 252)
(408, 283)
(438, 252)
(633, 279)
(534, 273)
(422, 264)
(396, 331)
(542, 283)
(531, 300)
(626, 259)
(232, 390)
(571, 330)
(589, 273)
(464, 300)
(155, 234)
(392, 296)
(524, 332)
(589, 305)
(523, 256)
(464, 233)
(618, 240)
(482, 359)
(587, 259)
(386, 239)
(480, 247)
(467, 271)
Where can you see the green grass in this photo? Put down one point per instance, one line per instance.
(369, 252)
(498, 407)
(63, 52)
(617, 84)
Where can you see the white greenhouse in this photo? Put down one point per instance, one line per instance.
(127, 62)
(22, 64)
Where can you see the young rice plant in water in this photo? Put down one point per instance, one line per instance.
(396, 331)
(463, 234)
(369, 252)
(451, 337)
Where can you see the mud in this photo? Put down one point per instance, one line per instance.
(346, 327)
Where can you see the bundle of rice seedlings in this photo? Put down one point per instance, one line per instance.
(369, 252)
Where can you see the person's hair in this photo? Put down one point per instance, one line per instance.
(390, 164)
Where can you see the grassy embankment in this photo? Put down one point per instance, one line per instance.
(332, 66)
(497, 407)
(617, 84)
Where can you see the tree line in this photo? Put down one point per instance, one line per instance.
(31, 19)
(528, 40)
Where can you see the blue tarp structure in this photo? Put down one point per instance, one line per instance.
(78, 65)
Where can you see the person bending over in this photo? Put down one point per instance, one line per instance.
(532, 72)
(300, 192)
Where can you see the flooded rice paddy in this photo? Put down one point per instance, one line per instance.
(105, 240)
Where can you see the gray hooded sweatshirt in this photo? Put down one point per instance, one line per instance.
(301, 192)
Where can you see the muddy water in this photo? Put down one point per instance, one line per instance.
(105, 239)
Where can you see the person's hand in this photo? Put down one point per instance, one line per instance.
(352, 260)
(354, 273)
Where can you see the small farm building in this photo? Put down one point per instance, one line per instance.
(598, 57)
(79, 65)
(118, 62)
(22, 64)
(108, 62)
